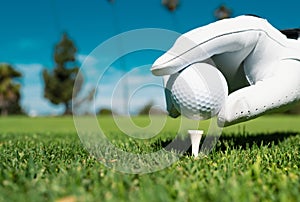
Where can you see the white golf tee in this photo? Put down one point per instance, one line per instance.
(195, 136)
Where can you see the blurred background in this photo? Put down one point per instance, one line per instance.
(44, 43)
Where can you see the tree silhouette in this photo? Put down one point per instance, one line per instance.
(59, 84)
(9, 90)
(145, 110)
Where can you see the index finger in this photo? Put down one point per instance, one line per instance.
(200, 44)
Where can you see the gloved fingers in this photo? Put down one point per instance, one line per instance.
(200, 44)
(278, 91)
(178, 57)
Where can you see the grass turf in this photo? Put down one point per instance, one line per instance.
(42, 159)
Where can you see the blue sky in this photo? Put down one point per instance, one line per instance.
(30, 29)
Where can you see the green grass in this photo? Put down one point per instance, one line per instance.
(42, 159)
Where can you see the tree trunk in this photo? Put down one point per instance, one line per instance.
(4, 112)
(68, 110)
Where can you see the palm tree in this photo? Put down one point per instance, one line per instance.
(222, 12)
(171, 5)
(9, 91)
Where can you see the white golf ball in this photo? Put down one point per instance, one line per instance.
(199, 91)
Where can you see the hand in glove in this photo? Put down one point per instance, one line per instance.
(260, 64)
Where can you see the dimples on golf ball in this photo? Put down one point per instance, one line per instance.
(199, 91)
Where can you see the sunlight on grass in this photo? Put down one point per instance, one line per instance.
(42, 159)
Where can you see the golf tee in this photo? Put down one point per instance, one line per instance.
(195, 136)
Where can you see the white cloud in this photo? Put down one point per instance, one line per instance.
(140, 89)
(94, 70)
(87, 59)
(32, 91)
(141, 86)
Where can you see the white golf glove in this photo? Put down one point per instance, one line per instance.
(260, 64)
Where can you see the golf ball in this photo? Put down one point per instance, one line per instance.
(199, 91)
